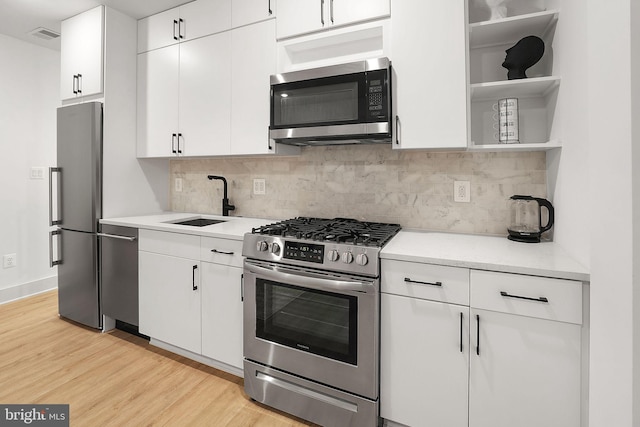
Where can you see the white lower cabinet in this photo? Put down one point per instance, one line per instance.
(169, 298)
(190, 295)
(222, 313)
(521, 357)
(424, 362)
(527, 372)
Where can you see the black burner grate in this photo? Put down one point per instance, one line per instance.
(338, 230)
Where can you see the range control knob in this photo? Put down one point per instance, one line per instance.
(262, 246)
(362, 259)
(275, 248)
(347, 257)
(333, 255)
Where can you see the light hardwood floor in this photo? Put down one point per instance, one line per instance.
(114, 379)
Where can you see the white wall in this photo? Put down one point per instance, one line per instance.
(610, 207)
(29, 95)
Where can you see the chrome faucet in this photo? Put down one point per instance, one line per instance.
(226, 207)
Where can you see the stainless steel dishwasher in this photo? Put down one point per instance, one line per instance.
(119, 275)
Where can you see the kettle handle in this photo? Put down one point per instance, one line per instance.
(549, 206)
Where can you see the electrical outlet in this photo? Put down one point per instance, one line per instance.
(177, 185)
(37, 173)
(461, 191)
(9, 260)
(259, 186)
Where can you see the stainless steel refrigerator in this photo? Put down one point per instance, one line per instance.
(75, 207)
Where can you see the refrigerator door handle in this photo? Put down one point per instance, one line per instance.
(51, 260)
(59, 219)
(115, 236)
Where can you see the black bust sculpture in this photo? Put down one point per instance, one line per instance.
(523, 55)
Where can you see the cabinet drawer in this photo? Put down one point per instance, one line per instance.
(426, 281)
(541, 297)
(174, 244)
(221, 251)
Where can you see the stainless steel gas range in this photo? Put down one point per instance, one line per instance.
(312, 318)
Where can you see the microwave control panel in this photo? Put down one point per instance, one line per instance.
(377, 105)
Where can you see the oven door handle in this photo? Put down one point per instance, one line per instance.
(299, 278)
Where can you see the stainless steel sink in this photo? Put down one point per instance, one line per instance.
(199, 222)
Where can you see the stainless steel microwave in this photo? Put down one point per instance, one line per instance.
(340, 104)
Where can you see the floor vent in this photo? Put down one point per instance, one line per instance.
(44, 33)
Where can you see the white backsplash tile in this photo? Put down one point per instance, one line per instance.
(367, 182)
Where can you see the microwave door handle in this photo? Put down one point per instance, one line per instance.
(299, 278)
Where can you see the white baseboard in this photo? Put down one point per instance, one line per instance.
(28, 289)
(198, 357)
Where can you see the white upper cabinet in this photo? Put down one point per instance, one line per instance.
(205, 95)
(158, 93)
(296, 17)
(81, 54)
(345, 12)
(244, 12)
(430, 74)
(187, 22)
(253, 60)
(184, 98)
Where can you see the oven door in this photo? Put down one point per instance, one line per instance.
(316, 325)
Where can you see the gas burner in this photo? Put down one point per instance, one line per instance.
(337, 230)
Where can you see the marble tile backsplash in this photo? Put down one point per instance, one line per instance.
(367, 182)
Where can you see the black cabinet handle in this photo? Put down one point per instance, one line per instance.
(179, 136)
(180, 26)
(322, 12)
(80, 83)
(541, 299)
(173, 143)
(215, 251)
(270, 11)
(461, 322)
(331, 11)
(408, 280)
(175, 23)
(193, 278)
(241, 287)
(397, 130)
(478, 334)
(75, 84)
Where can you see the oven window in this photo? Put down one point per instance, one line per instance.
(318, 322)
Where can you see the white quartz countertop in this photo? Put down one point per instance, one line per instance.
(232, 228)
(485, 253)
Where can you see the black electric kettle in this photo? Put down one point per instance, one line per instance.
(525, 223)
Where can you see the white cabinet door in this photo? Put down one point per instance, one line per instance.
(205, 95)
(430, 74)
(344, 12)
(253, 60)
(159, 30)
(81, 54)
(244, 12)
(301, 16)
(424, 362)
(204, 17)
(169, 295)
(158, 91)
(222, 313)
(527, 372)
(187, 22)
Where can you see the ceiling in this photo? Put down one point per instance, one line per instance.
(20, 17)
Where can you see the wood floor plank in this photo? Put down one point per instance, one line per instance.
(115, 379)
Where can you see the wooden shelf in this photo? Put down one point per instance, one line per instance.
(511, 29)
(542, 146)
(533, 87)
